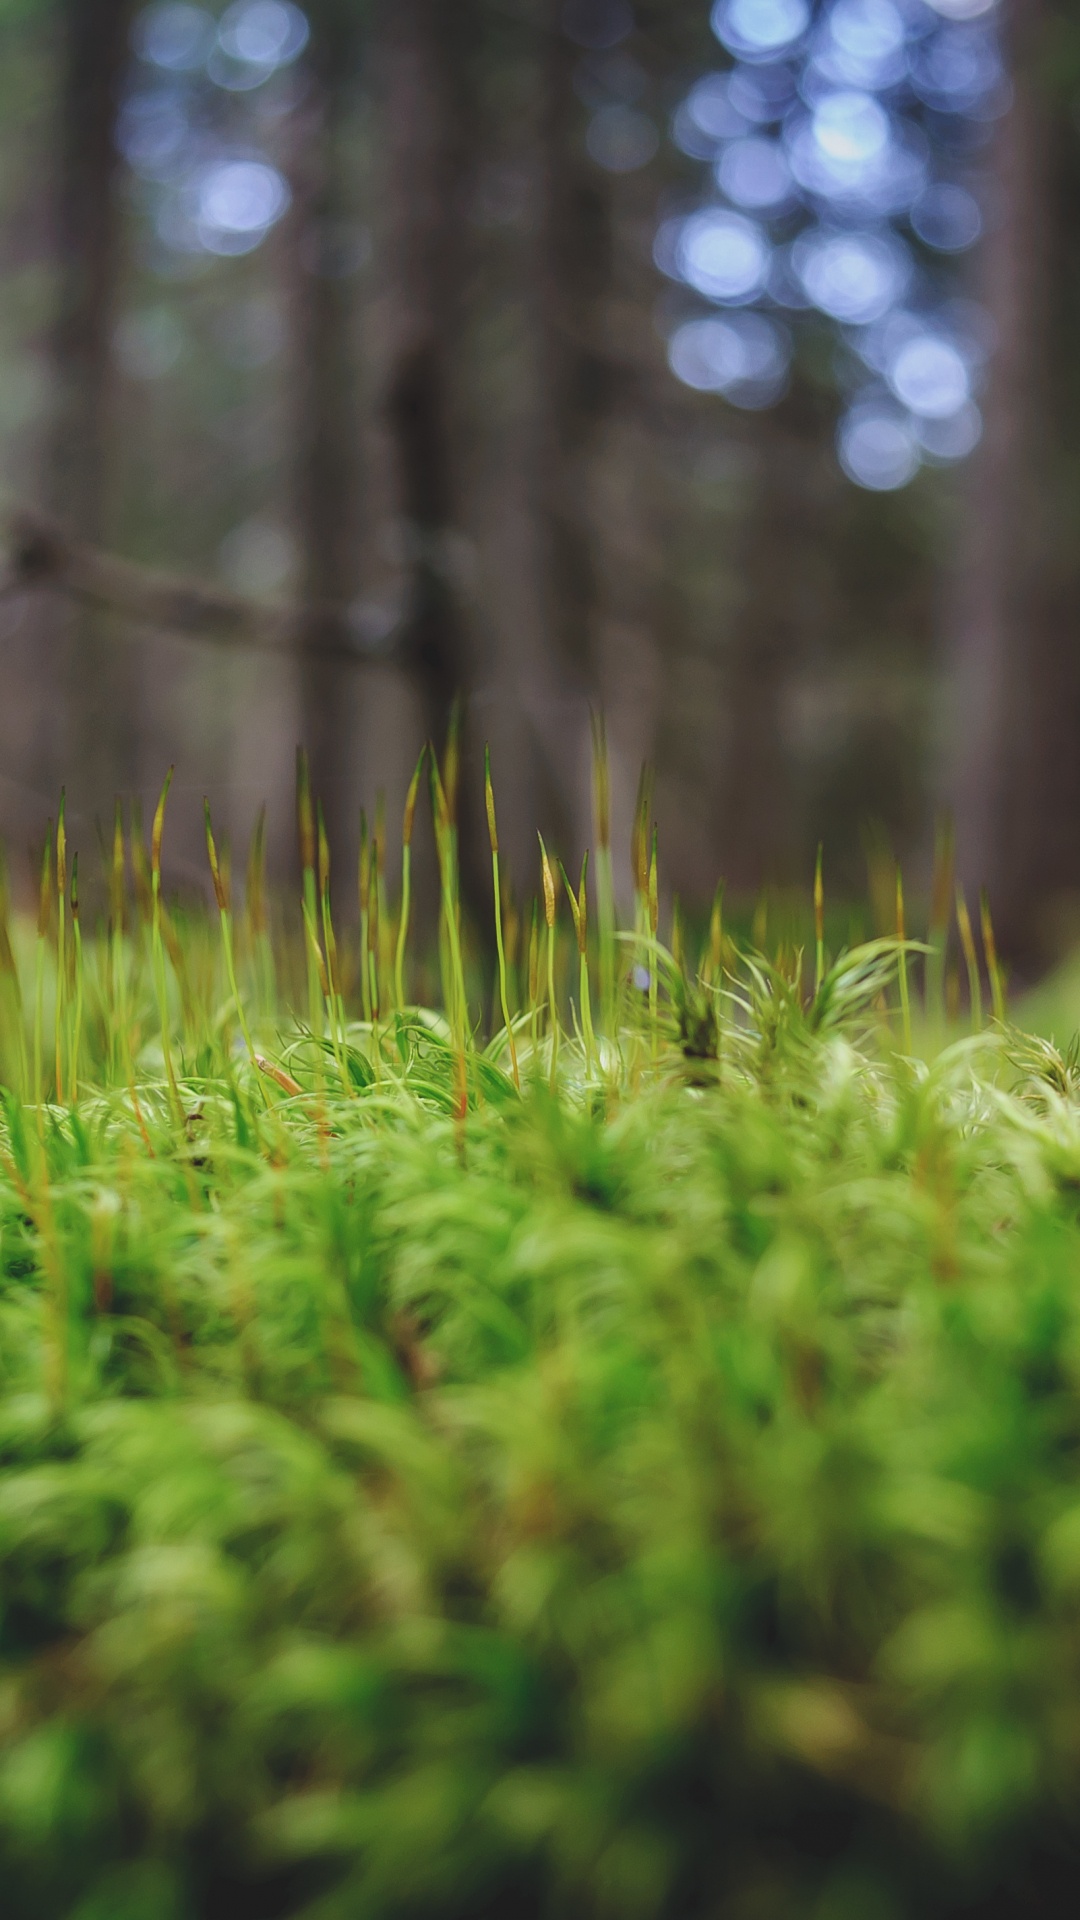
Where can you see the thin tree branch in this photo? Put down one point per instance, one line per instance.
(43, 554)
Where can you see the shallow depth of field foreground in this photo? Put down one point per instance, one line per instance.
(626, 1466)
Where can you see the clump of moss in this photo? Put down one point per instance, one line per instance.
(625, 1466)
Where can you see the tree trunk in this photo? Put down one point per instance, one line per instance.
(426, 149)
(573, 278)
(429, 135)
(1012, 677)
(327, 405)
(95, 52)
(88, 231)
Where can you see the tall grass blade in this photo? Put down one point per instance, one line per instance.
(305, 824)
(941, 899)
(654, 927)
(901, 964)
(406, 882)
(13, 1014)
(116, 969)
(550, 917)
(639, 848)
(224, 907)
(384, 928)
(605, 878)
(446, 849)
(579, 909)
(993, 964)
(334, 1002)
(76, 934)
(158, 949)
(971, 960)
(500, 945)
(819, 921)
(43, 920)
(59, 1033)
(258, 922)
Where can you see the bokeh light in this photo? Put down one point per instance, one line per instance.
(744, 356)
(153, 133)
(877, 448)
(723, 255)
(834, 141)
(236, 202)
(931, 377)
(186, 129)
(958, 70)
(709, 113)
(759, 29)
(761, 94)
(255, 39)
(754, 173)
(174, 36)
(952, 438)
(849, 153)
(863, 45)
(947, 218)
(268, 33)
(851, 129)
(853, 277)
(961, 9)
(833, 153)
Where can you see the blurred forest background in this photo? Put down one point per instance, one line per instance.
(717, 371)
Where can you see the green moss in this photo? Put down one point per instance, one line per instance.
(657, 1496)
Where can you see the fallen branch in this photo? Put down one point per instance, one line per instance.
(42, 554)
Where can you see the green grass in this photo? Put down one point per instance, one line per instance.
(653, 1491)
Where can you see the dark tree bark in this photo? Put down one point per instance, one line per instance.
(423, 49)
(1008, 669)
(88, 236)
(573, 278)
(430, 136)
(326, 417)
(1012, 760)
(572, 250)
(88, 245)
